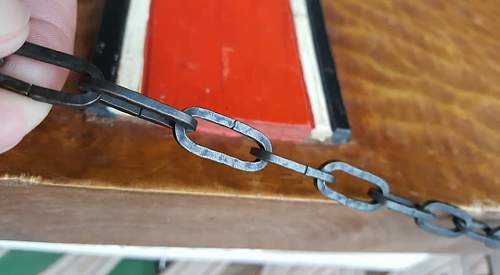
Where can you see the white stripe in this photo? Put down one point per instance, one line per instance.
(307, 270)
(131, 67)
(188, 268)
(495, 263)
(130, 71)
(307, 52)
(370, 261)
(82, 265)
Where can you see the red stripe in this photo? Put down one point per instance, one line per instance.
(239, 58)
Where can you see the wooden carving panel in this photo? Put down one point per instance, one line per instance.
(420, 84)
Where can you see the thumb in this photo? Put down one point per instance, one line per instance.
(51, 24)
(14, 30)
(14, 27)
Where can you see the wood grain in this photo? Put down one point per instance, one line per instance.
(419, 83)
(141, 218)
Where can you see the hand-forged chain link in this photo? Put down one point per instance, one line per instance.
(97, 90)
(425, 216)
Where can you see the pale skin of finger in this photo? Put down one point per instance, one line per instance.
(50, 23)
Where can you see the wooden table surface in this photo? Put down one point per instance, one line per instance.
(419, 81)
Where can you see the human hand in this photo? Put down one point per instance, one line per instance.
(50, 23)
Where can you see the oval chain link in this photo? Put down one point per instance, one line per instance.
(331, 166)
(477, 230)
(453, 213)
(237, 126)
(136, 104)
(97, 90)
(46, 95)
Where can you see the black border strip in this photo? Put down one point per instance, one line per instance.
(331, 88)
(110, 38)
(108, 46)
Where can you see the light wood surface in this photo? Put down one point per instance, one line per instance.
(419, 80)
(419, 83)
(81, 215)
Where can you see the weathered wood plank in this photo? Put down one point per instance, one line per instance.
(82, 215)
(419, 80)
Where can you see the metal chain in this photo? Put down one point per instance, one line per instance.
(95, 89)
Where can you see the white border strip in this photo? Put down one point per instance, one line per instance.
(81, 265)
(315, 91)
(371, 261)
(130, 71)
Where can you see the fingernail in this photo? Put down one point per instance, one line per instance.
(14, 25)
(14, 16)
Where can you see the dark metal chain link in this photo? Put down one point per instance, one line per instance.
(428, 216)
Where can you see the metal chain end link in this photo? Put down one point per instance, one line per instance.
(97, 90)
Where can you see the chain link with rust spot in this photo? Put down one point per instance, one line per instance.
(96, 90)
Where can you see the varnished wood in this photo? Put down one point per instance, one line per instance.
(419, 81)
(76, 215)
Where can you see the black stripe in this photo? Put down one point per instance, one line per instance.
(331, 87)
(110, 37)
